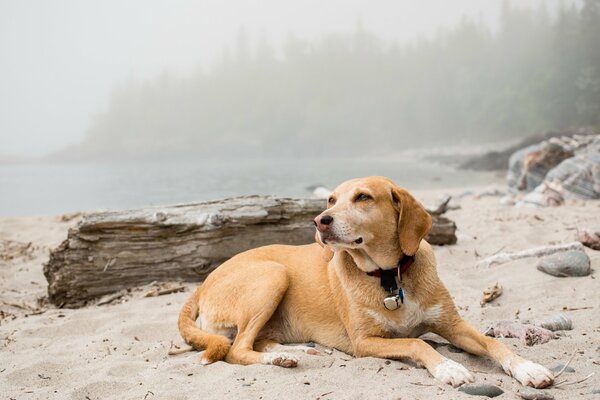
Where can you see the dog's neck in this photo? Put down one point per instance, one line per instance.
(366, 263)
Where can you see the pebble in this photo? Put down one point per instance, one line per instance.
(481, 389)
(535, 394)
(560, 367)
(567, 263)
(596, 391)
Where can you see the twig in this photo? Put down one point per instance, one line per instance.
(180, 351)
(566, 308)
(23, 306)
(534, 252)
(110, 299)
(574, 383)
(499, 250)
(559, 373)
(154, 292)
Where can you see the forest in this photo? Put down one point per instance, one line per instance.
(347, 94)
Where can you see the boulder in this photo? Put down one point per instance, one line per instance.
(556, 169)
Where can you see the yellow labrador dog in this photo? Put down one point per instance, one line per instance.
(369, 287)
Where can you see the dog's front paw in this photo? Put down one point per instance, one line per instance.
(452, 373)
(532, 374)
(280, 359)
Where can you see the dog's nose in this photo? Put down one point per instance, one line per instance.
(326, 219)
(323, 222)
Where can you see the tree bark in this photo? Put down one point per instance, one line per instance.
(110, 251)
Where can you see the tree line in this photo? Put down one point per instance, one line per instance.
(346, 94)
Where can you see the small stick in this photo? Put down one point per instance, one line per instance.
(560, 383)
(502, 258)
(110, 299)
(154, 293)
(566, 365)
(576, 382)
(499, 250)
(23, 306)
(565, 308)
(180, 351)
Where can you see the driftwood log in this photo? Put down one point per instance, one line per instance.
(110, 251)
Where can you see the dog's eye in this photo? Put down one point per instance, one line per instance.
(331, 201)
(362, 197)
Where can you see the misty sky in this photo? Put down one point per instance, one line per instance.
(60, 60)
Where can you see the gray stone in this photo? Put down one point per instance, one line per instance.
(535, 394)
(570, 164)
(568, 263)
(559, 367)
(579, 176)
(481, 389)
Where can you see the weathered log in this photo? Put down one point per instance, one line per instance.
(110, 251)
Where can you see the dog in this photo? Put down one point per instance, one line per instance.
(367, 287)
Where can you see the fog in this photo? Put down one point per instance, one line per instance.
(146, 77)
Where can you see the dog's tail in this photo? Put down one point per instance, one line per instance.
(215, 347)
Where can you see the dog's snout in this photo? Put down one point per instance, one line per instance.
(323, 222)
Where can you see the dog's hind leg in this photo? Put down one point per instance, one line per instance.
(257, 307)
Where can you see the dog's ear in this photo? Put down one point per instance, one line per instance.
(327, 252)
(414, 223)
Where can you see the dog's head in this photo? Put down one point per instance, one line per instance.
(375, 215)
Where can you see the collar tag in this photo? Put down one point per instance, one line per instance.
(393, 301)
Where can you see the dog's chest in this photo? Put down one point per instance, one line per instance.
(406, 320)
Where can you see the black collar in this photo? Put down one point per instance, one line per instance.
(388, 276)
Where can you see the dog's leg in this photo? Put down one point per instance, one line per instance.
(441, 368)
(254, 312)
(267, 345)
(463, 335)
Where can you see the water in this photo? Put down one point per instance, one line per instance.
(43, 189)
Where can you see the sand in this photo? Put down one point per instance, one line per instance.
(119, 350)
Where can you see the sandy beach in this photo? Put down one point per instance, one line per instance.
(119, 350)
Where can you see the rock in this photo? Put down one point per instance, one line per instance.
(589, 237)
(481, 389)
(559, 367)
(596, 391)
(499, 160)
(547, 194)
(529, 166)
(528, 334)
(568, 263)
(535, 394)
(556, 322)
(579, 176)
(571, 164)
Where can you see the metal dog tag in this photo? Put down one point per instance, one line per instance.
(391, 302)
